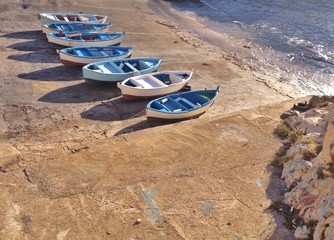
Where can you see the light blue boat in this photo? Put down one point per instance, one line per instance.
(183, 105)
(120, 69)
(75, 27)
(85, 39)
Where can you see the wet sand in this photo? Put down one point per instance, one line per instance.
(79, 162)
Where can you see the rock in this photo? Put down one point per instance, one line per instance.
(294, 170)
(313, 121)
(323, 212)
(138, 221)
(326, 155)
(332, 153)
(288, 114)
(8, 156)
(310, 192)
(329, 228)
(302, 232)
(319, 100)
(331, 203)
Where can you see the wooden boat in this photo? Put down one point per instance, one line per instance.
(59, 39)
(183, 105)
(120, 69)
(71, 17)
(83, 55)
(154, 84)
(75, 27)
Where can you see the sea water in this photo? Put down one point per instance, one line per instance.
(293, 41)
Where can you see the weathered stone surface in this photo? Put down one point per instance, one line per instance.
(295, 170)
(326, 155)
(319, 100)
(313, 121)
(8, 156)
(312, 181)
(302, 232)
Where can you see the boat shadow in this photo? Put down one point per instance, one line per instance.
(80, 93)
(143, 125)
(115, 110)
(32, 45)
(39, 56)
(58, 73)
(34, 34)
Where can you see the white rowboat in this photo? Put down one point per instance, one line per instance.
(71, 17)
(154, 84)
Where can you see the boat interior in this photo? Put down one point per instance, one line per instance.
(76, 18)
(94, 52)
(171, 78)
(70, 27)
(120, 66)
(178, 104)
(99, 17)
(64, 27)
(85, 37)
(154, 81)
(68, 18)
(82, 26)
(146, 82)
(90, 37)
(183, 102)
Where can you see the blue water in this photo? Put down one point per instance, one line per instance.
(292, 41)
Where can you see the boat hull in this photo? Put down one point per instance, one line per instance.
(80, 63)
(148, 94)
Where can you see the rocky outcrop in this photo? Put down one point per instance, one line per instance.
(9, 156)
(309, 172)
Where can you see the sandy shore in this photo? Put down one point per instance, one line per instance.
(79, 162)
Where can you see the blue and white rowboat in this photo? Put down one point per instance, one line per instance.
(80, 56)
(75, 27)
(120, 69)
(85, 39)
(183, 105)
